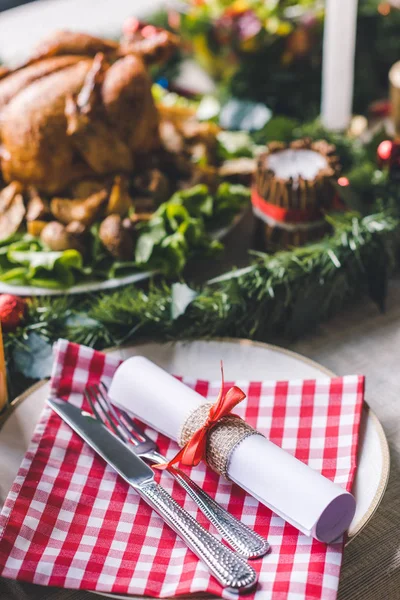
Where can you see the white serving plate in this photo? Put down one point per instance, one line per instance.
(82, 288)
(242, 359)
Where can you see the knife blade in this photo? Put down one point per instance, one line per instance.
(229, 569)
(113, 450)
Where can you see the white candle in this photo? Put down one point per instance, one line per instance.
(338, 63)
(295, 163)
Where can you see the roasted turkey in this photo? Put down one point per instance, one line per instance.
(81, 107)
(83, 145)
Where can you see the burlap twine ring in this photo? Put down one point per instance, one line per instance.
(222, 439)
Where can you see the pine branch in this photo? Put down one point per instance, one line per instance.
(282, 294)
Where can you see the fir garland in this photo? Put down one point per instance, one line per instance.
(285, 294)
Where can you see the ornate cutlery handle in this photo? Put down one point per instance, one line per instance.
(244, 540)
(229, 569)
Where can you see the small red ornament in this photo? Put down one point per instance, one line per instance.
(384, 150)
(12, 311)
(339, 203)
(388, 155)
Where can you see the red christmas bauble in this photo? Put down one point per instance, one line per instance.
(12, 311)
(384, 150)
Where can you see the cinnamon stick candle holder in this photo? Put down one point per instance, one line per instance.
(293, 187)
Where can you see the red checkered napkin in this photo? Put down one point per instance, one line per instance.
(70, 521)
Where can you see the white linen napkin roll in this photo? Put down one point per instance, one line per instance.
(291, 489)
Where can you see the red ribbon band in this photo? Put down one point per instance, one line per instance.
(194, 451)
(283, 215)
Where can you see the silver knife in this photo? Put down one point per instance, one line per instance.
(229, 569)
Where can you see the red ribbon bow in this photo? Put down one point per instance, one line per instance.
(195, 449)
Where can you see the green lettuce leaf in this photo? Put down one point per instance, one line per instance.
(229, 200)
(43, 268)
(177, 232)
(197, 200)
(152, 236)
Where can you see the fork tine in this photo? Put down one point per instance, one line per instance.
(123, 430)
(138, 430)
(103, 404)
(128, 428)
(88, 396)
(91, 394)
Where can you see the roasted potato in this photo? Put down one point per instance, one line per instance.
(38, 207)
(119, 202)
(84, 211)
(12, 217)
(116, 238)
(35, 228)
(56, 237)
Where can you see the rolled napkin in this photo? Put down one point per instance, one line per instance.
(301, 496)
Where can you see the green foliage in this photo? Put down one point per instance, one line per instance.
(180, 228)
(229, 200)
(46, 318)
(276, 68)
(130, 313)
(278, 129)
(286, 293)
(25, 261)
(290, 292)
(276, 296)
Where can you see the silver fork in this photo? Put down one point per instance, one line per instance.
(241, 538)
